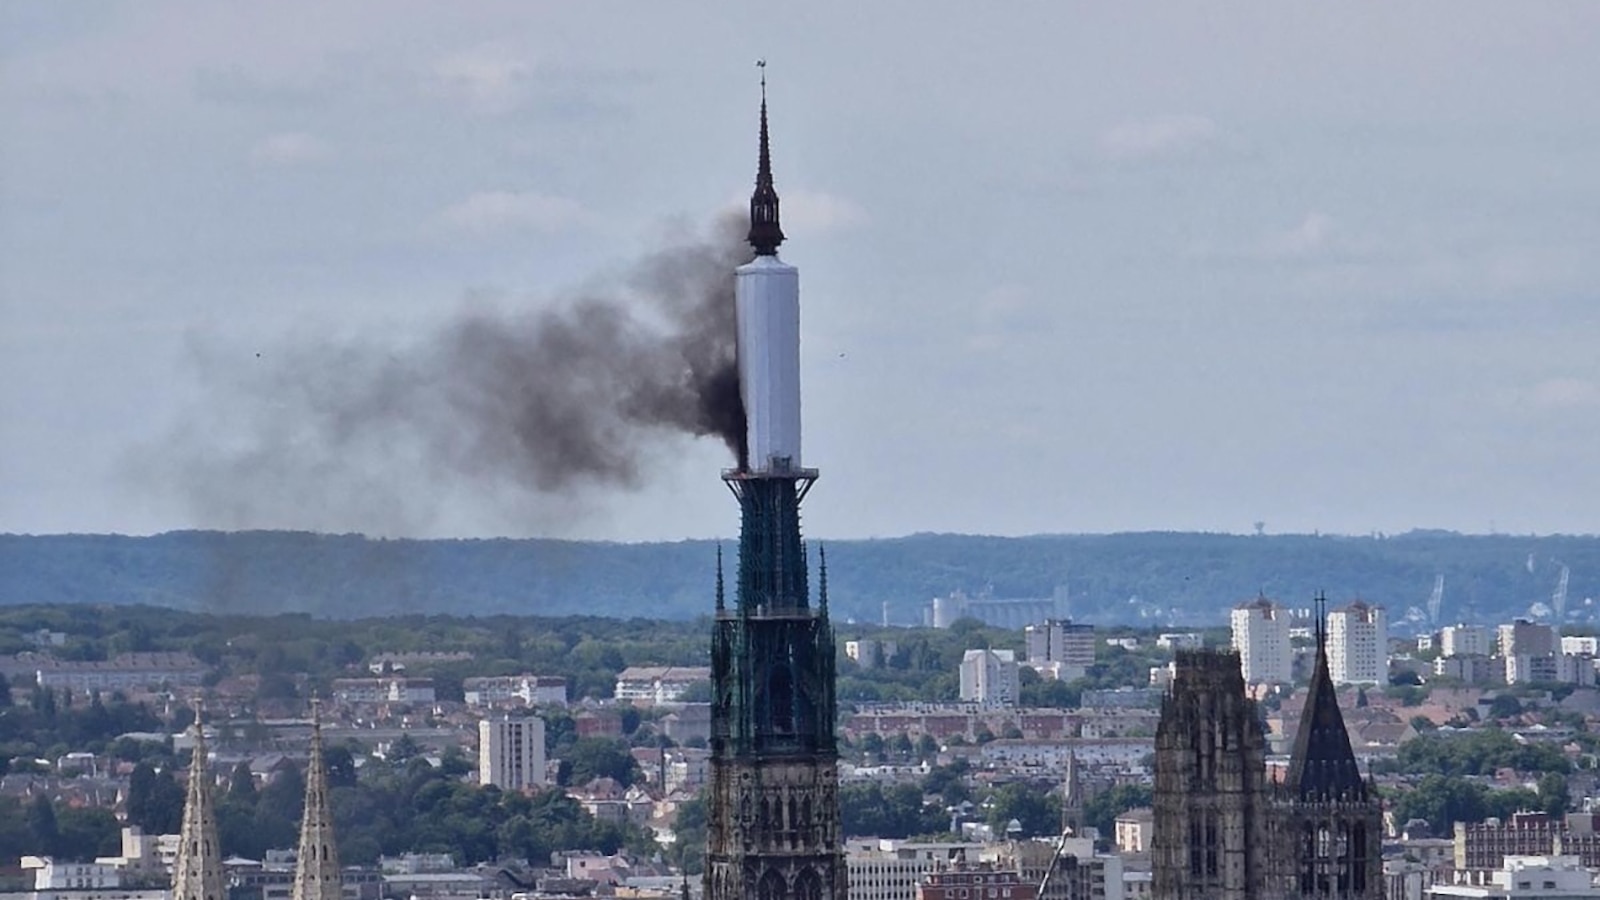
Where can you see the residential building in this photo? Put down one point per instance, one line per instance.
(989, 677)
(127, 671)
(511, 752)
(651, 685)
(1580, 646)
(1134, 829)
(1358, 644)
(1465, 640)
(531, 690)
(892, 869)
(1525, 638)
(1187, 640)
(964, 882)
(1483, 846)
(1526, 878)
(394, 689)
(1468, 669)
(1261, 638)
(50, 875)
(1079, 872)
(1070, 646)
(870, 654)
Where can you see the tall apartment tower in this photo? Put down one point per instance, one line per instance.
(511, 752)
(1211, 806)
(1465, 640)
(772, 820)
(316, 869)
(198, 873)
(990, 677)
(1261, 638)
(1358, 644)
(1328, 834)
(1063, 643)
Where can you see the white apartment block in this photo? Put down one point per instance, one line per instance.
(532, 690)
(891, 870)
(989, 677)
(1465, 640)
(1181, 640)
(511, 753)
(1580, 646)
(658, 684)
(1524, 638)
(383, 690)
(1525, 878)
(1060, 641)
(1358, 644)
(1261, 637)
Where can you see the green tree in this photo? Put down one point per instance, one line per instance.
(87, 833)
(42, 827)
(1036, 811)
(1102, 809)
(596, 757)
(1554, 797)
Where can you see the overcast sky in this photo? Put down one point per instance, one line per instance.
(1065, 267)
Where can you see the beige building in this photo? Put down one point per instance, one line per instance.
(511, 753)
(1260, 630)
(989, 677)
(1358, 644)
(891, 870)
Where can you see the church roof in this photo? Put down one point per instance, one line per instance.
(1322, 766)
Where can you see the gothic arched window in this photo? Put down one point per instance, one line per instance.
(772, 887)
(808, 886)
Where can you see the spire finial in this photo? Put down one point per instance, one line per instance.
(822, 574)
(765, 233)
(719, 578)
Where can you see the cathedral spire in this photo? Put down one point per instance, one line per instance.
(1323, 765)
(720, 603)
(198, 872)
(765, 233)
(316, 870)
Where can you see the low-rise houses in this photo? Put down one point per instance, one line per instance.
(530, 690)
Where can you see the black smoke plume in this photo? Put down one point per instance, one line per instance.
(323, 433)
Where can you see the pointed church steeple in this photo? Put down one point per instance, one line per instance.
(1072, 797)
(765, 233)
(198, 872)
(1323, 765)
(316, 870)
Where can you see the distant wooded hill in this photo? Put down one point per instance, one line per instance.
(1147, 577)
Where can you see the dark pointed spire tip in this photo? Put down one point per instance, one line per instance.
(765, 232)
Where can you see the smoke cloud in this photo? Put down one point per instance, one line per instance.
(524, 406)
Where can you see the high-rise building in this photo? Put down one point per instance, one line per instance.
(772, 820)
(1210, 799)
(511, 752)
(316, 870)
(1525, 638)
(1358, 644)
(1464, 640)
(1261, 638)
(990, 677)
(1067, 645)
(198, 873)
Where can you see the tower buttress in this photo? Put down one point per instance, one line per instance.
(316, 869)
(197, 875)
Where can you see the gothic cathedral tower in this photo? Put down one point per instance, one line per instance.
(773, 830)
(1329, 839)
(1211, 807)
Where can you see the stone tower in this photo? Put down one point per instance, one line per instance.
(1210, 800)
(1072, 797)
(1329, 819)
(772, 830)
(197, 875)
(316, 870)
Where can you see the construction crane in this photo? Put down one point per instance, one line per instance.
(1055, 859)
(1436, 599)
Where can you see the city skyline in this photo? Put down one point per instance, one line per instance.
(1084, 269)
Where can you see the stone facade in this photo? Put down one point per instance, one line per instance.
(1222, 832)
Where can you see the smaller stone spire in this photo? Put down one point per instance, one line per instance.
(822, 578)
(720, 605)
(316, 870)
(198, 872)
(765, 233)
(1072, 797)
